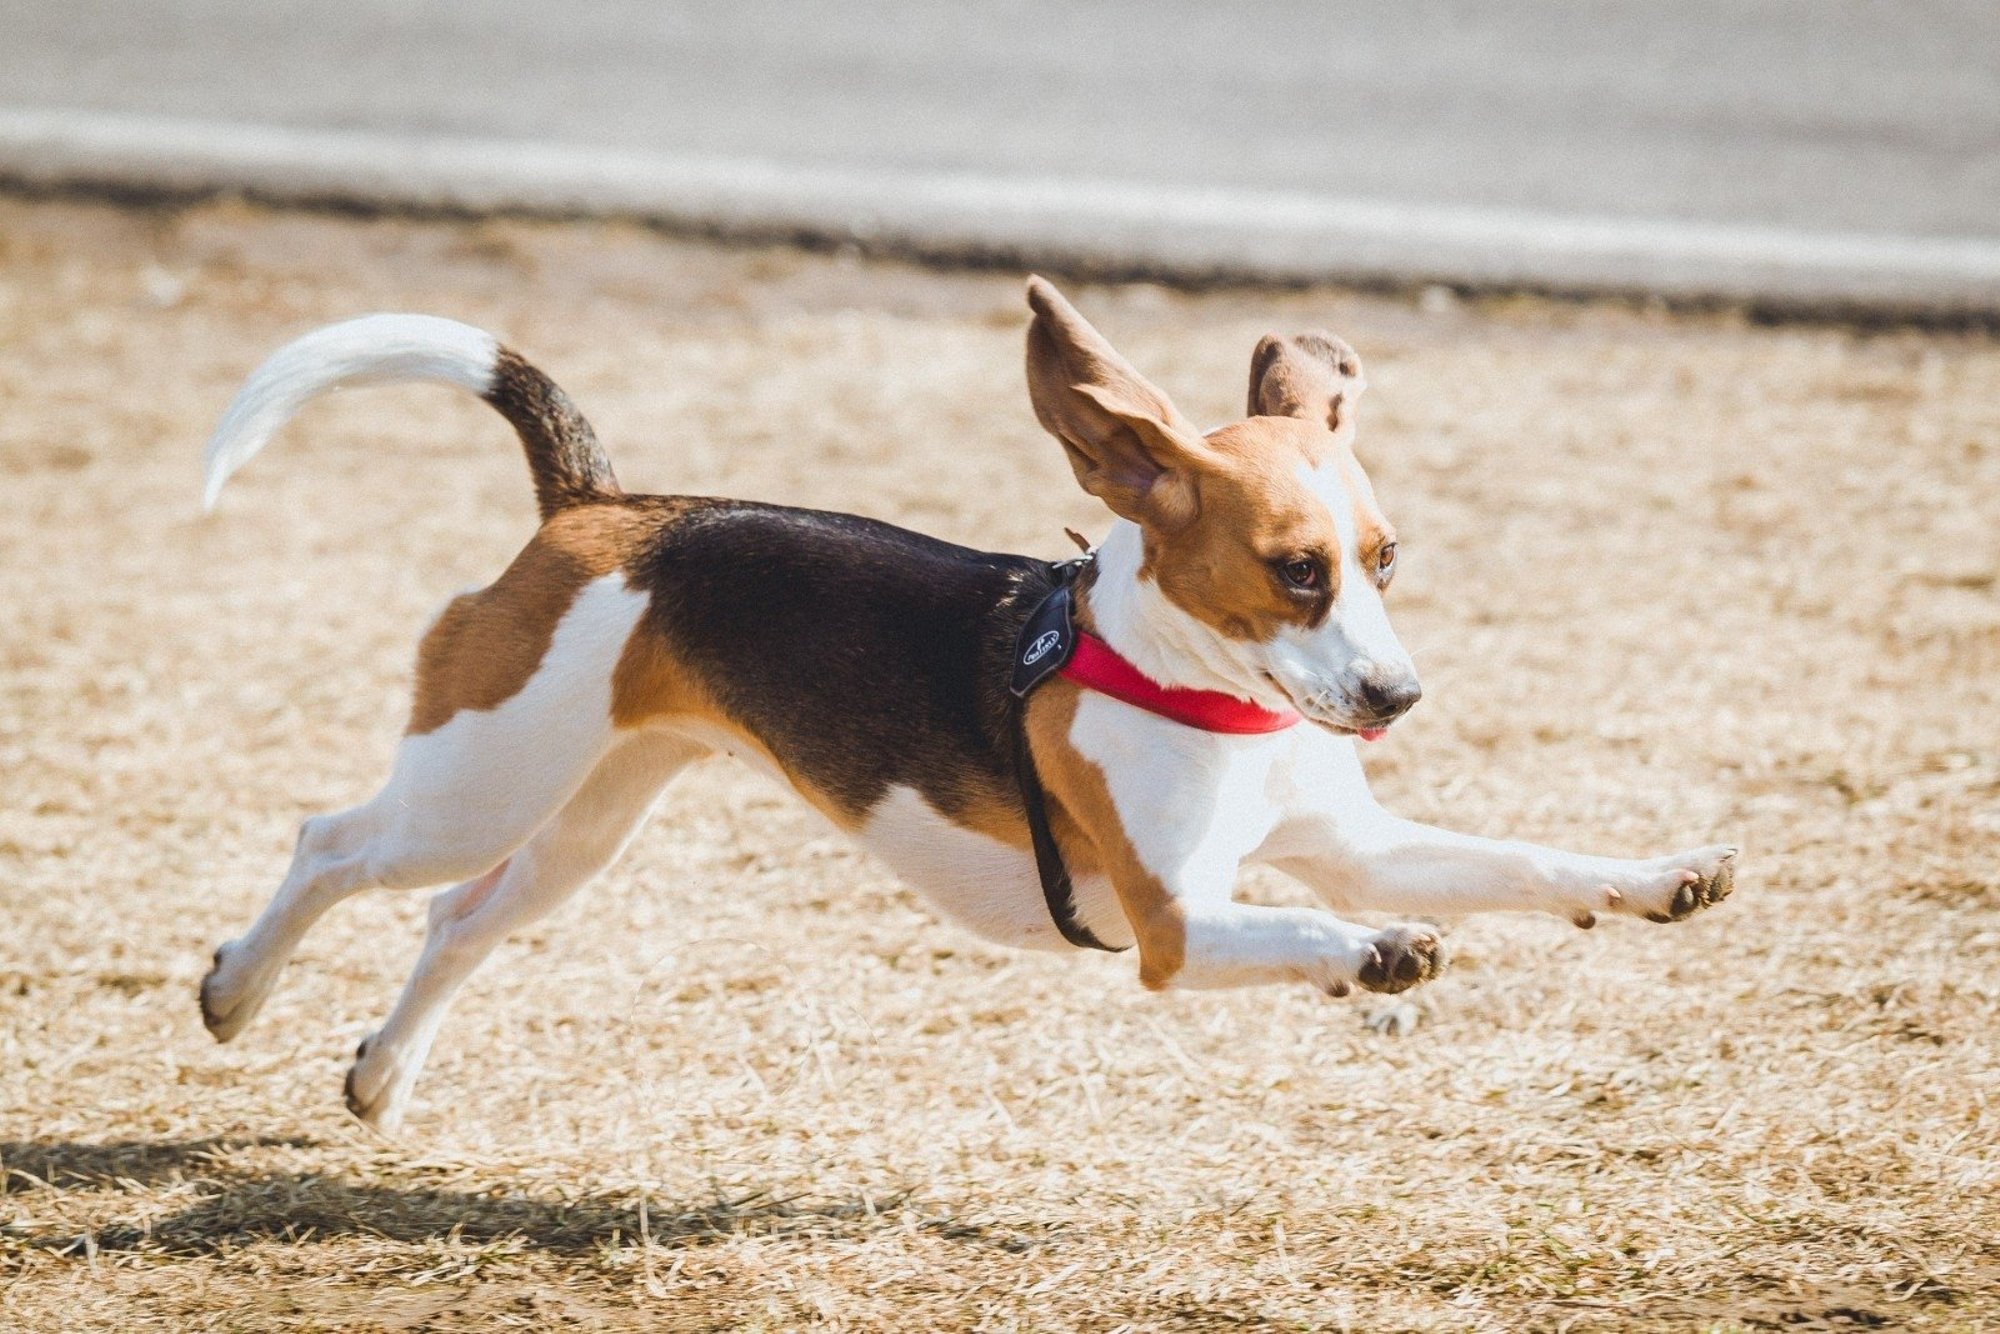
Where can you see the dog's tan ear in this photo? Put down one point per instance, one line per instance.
(1129, 446)
(1314, 376)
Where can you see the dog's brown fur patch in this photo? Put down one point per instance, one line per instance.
(1093, 839)
(1313, 376)
(1371, 528)
(1254, 510)
(487, 645)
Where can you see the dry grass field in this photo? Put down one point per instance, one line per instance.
(1670, 581)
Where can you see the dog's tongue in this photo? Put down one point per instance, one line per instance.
(1374, 733)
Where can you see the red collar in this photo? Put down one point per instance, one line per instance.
(1100, 667)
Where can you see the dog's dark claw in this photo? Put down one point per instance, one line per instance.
(1724, 880)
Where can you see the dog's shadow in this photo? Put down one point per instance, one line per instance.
(237, 1206)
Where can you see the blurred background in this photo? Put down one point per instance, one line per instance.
(1800, 154)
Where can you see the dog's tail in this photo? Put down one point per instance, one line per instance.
(568, 464)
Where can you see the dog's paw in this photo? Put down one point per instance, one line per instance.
(377, 1090)
(1400, 957)
(1671, 888)
(230, 1000)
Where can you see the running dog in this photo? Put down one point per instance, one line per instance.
(1057, 755)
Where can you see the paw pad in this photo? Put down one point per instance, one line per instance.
(1700, 891)
(1401, 958)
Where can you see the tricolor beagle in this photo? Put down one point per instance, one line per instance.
(1239, 590)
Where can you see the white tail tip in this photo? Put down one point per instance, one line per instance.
(375, 349)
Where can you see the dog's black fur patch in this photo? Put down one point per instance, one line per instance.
(862, 654)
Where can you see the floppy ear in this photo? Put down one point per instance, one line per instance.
(1128, 444)
(1310, 375)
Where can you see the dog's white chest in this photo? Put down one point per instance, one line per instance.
(978, 882)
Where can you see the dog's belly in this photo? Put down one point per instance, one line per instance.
(978, 882)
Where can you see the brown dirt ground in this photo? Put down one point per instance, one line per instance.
(1669, 580)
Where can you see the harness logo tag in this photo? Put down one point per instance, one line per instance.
(1044, 644)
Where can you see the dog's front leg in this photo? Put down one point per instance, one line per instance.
(1192, 934)
(1171, 813)
(1242, 944)
(1366, 858)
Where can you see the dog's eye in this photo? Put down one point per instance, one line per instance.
(1385, 562)
(1301, 573)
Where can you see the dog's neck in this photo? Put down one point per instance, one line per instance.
(1144, 625)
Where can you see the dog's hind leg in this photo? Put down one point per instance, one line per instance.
(330, 862)
(384, 844)
(469, 920)
(463, 796)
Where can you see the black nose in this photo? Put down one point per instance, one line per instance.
(1389, 693)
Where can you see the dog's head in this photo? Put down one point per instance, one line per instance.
(1261, 540)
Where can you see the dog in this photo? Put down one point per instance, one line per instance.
(1221, 653)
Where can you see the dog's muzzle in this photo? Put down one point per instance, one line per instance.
(1365, 706)
(1386, 695)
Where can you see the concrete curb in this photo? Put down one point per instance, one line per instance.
(1091, 226)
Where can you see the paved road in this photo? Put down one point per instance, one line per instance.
(1737, 123)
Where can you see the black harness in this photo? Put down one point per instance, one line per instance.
(1041, 649)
